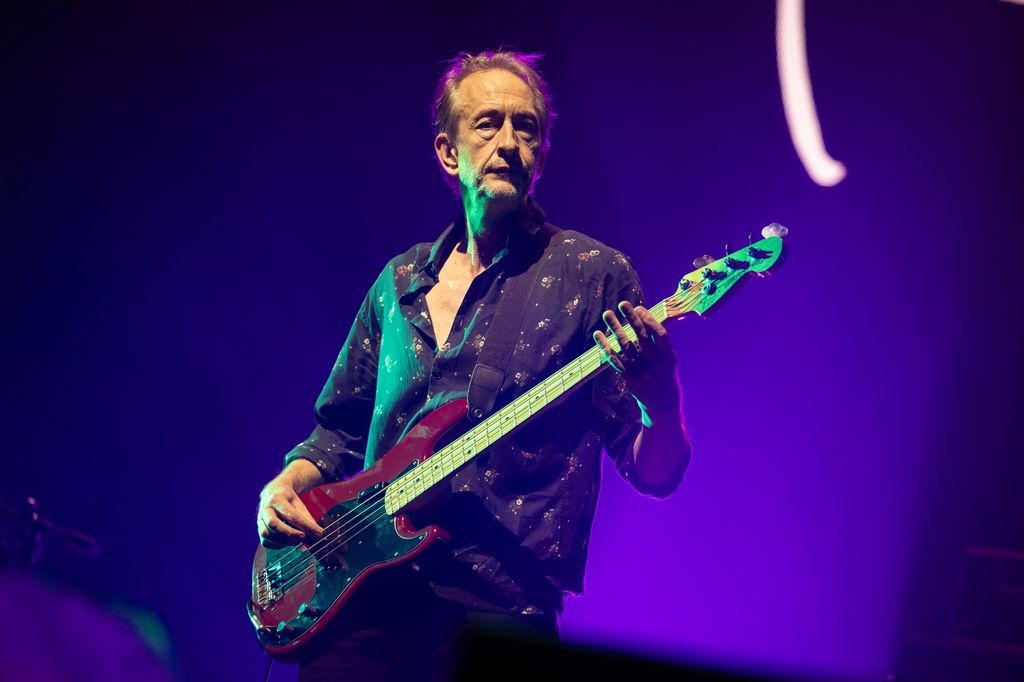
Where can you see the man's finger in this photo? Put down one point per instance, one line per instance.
(657, 333)
(607, 350)
(282, 527)
(271, 539)
(305, 519)
(613, 323)
(297, 516)
(632, 315)
(267, 536)
(655, 328)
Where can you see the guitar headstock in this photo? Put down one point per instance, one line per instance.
(713, 279)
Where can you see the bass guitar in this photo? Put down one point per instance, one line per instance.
(297, 590)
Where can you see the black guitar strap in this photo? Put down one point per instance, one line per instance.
(489, 372)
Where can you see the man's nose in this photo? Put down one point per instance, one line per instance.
(507, 139)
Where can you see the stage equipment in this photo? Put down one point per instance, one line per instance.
(986, 640)
(24, 532)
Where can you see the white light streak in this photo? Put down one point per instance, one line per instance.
(797, 98)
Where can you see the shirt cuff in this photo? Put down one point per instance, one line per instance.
(658, 491)
(329, 465)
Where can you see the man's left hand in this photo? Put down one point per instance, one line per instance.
(648, 365)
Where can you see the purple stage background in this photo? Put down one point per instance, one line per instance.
(196, 199)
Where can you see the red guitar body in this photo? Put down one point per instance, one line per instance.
(297, 590)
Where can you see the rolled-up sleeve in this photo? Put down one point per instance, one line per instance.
(617, 408)
(345, 407)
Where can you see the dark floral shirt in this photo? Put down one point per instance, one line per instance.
(520, 514)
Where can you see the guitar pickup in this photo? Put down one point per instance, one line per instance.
(371, 491)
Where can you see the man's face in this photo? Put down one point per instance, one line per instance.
(497, 142)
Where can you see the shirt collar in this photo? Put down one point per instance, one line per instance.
(521, 243)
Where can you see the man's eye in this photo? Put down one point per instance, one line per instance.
(527, 128)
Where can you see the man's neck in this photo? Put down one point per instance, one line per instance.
(489, 222)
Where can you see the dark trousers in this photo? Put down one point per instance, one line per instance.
(399, 630)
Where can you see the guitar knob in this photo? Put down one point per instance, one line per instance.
(774, 230)
(284, 628)
(308, 610)
(702, 261)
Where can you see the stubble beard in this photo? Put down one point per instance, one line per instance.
(513, 188)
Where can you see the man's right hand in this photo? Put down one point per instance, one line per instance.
(283, 518)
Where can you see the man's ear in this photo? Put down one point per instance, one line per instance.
(447, 154)
(538, 168)
(541, 158)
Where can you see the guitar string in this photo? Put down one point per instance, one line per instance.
(334, 542)
(310, 569)
(466, 449)
(559, 378)
(692, 292)
(543, 388)
(332, 538)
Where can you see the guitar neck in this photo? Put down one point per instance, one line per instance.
(571, 376)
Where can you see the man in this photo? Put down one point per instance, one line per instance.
(519, 514)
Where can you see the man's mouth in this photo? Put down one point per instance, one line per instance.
(504, 171)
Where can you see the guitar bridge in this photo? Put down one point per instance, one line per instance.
(269, 586)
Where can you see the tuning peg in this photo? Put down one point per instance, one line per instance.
(702, 261)
(727, 248)
(774, 230)
(750, 238)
